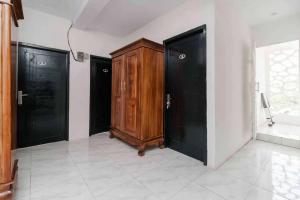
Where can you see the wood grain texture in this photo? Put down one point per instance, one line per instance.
(152, 94)
(7, 96)
(2, 171)
(18, 9)
(131, 93)
(5, 101)
(116, 96)
(137, 108)
(138, 44)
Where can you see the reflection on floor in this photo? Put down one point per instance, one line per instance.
(282, 134)
(103, 169)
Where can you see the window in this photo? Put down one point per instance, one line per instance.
(282, 76)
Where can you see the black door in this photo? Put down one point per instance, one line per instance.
(185, 94)
(42, 96)
(100, 95)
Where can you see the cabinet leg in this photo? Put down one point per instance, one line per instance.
(111, 136)
(141, 149)
(161, 144)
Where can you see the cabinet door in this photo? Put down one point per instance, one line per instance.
(117, 86)
(131, 104)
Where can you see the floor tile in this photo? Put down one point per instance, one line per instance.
(109, 169)
(260, 194)
(281, 182)
(164, 183)
(227, 187)
(195, 192)
(102, 177)
(130, 190)
(247, 174)
(65, 187)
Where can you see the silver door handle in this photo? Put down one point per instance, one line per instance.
(20, 97)
(105, 70)
(168, 103)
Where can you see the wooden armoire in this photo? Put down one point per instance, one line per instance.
(137, 94)
(9, 9)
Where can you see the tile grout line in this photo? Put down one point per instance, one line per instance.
(219, 195)
(133, 177)
(94, 197)
(225, 198)
(194, 182)
(252, 186)
(78, 169)
(171, 196)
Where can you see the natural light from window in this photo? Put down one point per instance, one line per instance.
(282, 78)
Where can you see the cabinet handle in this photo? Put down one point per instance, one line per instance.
(124, 86)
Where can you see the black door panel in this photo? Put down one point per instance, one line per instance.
(100, 94)
(43, 80)
(185, 75)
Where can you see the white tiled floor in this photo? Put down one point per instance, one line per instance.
(105, 169)
(283, 134)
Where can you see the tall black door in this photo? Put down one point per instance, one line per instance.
(42, 96)
(185, 94)
(100, 95)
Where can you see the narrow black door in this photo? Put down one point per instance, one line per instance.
(100, 95)
(185, 111)
(42, 96)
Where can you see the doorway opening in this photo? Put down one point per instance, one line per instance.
(100, 94)
(278, 79)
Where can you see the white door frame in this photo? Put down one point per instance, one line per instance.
(253, 93)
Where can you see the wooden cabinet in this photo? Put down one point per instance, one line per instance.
(117, 83)
(137, 94)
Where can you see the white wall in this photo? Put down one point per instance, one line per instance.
(14, 32)
(229, 59)
(228, 66)
(190, 15)
(279, 31)
(51, 31)
(233, 68)
(261, 79)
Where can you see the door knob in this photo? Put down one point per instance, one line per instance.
(20, 97)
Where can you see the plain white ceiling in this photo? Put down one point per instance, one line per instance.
(258, 12)
(121, 17)
(62, 8)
